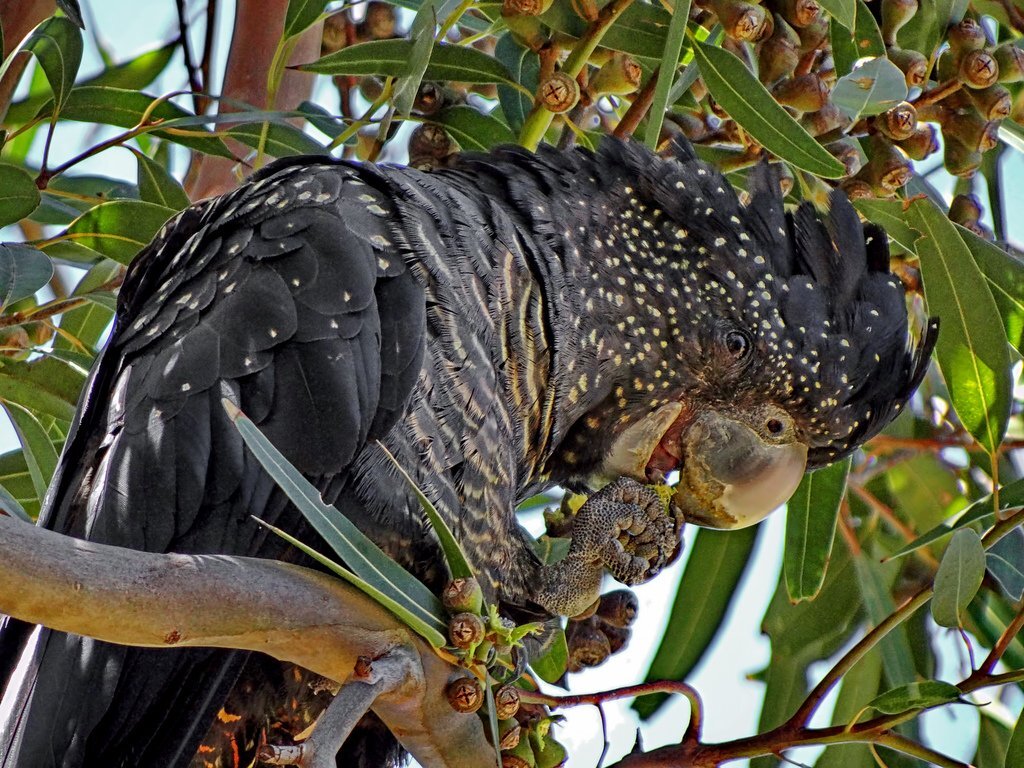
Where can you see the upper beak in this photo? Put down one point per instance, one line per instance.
(731, 477)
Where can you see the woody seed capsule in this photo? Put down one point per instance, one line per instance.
(465, 694)
(992, 103)
(978, 69)
(913, 64)
(895, 14)
(899, 122)
(559, 93)
(465, 630)
(1010, 58)
(506, 701)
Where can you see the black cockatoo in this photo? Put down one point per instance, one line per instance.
(511, 322)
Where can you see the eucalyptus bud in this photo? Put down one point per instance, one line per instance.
(465, 694)
(992, 103)
(525, 7)
(847, 151)
(742, 20)
(898, 122)
(806, 93)
(924, 141)
(370, 87)
(465, 630)
(856, 189)
(827, 119)
(778, 56)
(966, 36)
(509, 733)
(527, 30)
(1010, 58)
(814, 35)
(887, 168)
(552, 756)
(618, 637)
(519, 756)
(618, 608)
(801, 13)
(334, 35)
(965, 209)
(379, 22)
(588, 646)
(895, 14)
(978, 69)
(972, 130)
(960, 160)
(463, 595)
(914, 65)
(559, 92)
(620, 75)
(691, 126)
(506, 701)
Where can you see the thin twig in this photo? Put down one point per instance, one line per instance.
(1015, 626)
(186, 51)
(638, 109)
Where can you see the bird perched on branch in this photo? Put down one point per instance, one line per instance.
(515, 321)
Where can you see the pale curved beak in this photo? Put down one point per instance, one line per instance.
(731, 477)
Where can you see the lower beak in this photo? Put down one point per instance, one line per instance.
(731, 477)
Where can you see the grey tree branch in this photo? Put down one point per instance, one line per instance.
(291, 613)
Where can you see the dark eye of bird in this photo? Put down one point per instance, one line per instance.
(737, 343)
(775, 427)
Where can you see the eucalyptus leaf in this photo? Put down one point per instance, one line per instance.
(741, 95)
(19, 195)
(277, 139)
(552, 665)
(421, 35)
(11, 506)
(717, 562)
(843, 11)
(40, 454)
(301, 14)
(959, 578)
(157, 185)
(923, 695)
(1005, 561)
(811, 516)
(23, 271)
(474, 130)
(57, 45)
(524, 67)
(872, 87)
(972, 351)
(1004, 274)
(118, 229)
(897, 655)
(1015, 750)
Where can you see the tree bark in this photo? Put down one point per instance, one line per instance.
(291, 613)
(18, 17)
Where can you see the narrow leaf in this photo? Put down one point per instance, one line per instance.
(870, 88)
(639, 30)
(458, 565)
(390, 58)
(1010, 496)
(741, 95)
(57, 45)
(422, 36)
(717, 562)
(897, 656)
(40, 455)
(359, 553)
(667, 71)
(1005, 561)
(10, 505)
(19, 195)
(34, 395)
(551, 666)
(1015, 751)
(474, 130)
(923, 695)
(426, 630)
(23, 271)
(118, 229)
(811, 516)
(157, 185)
(524, 67)
(993, 740)
(301, 14)
(959, 578)
(972, 351)
(1004, 273)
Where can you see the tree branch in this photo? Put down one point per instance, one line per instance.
(291, 613)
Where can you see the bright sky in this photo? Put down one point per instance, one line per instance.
(732, 701)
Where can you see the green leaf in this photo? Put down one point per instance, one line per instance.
(360, 554)
(157, 185)
(523, 66)
(811, 516)
(959, 578)
(61, 209)
(993, 740)
(1015, 750)
(1004, 274)
(864, 40)
(870, 89)
(72, 10)
(716, 564)
(390, 58)
(400, 608)
(1010, 496)
(860, 684)
(472, 129)
(23, 271)
(19, 385)
(118, 229)
(458, 565)
(9, 504)
(421, 34)
(17, 480)
(843, 11)
(135, 74)
(551, 666)
(57, 45)
(280, 140)
(639, 30)
(124, 108)
(972, 351)
(890, 214)
(923, 695)
(875, 587)
(667, 71)
(301, 15)
(740, 94)
(1005, 561)
(19, 195)
(926, 30)
(88, 323)
(40, 455)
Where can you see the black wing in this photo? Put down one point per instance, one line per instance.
(273, 297)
